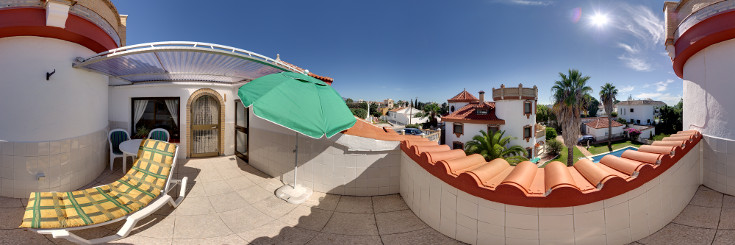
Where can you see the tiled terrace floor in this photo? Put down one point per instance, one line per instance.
(230, 202)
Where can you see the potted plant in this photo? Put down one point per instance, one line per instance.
(141, 132)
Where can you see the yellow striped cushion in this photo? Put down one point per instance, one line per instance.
(143, 183)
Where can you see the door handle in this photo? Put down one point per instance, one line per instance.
(214, 127)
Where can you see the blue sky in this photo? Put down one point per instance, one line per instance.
(431, 49)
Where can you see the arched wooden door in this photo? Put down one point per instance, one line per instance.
(205, 126)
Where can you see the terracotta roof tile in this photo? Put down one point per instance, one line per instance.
(464, 96)
(556, 185)
(469, 114)
(601, 122)
(641, 102)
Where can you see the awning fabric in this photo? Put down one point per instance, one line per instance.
(183, 61)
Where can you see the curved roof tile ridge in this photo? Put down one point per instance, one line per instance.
(556, 185)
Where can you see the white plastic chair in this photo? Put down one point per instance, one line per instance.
(159, 134)
(115, 137)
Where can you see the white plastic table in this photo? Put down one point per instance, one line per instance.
(129, 148)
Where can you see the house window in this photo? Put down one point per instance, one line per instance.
(481, 111)
(648, 121)
(158, 112)
(492, 129)
(529, 152)
(638, 122)
(631, 120)
(631, 110)
(458, 129)
(452, 109)
(527, 107)
(527, 132)
(457, 145)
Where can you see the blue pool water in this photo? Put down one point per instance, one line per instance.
(617, 153)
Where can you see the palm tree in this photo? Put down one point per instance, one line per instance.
(431, 111)
(491, 146)
(608, 92)
(569, 102)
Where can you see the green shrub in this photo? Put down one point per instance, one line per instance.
(550, 133)
(614, 114)
(359, 112)
(515, 160)
(554, 147)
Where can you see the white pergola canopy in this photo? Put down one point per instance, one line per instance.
(183, 61)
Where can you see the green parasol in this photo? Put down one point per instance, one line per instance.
(301, 103)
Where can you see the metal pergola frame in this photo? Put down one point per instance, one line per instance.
(180, 46)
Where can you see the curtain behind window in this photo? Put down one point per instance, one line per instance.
(173, 106)
(138, 110)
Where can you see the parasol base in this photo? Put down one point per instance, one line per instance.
(294, 195)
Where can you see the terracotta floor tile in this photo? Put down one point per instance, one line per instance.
(326, 238)
(680, 234)
(707, 197)
(351, 224)
(420, 237)
(698, 216)
(389, 203)
(398, 222)
(724, 237)
(350, 204)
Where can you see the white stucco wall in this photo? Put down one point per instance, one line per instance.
(470, 130)
(120, 98)
(601, 133)
(512, 112)
(343, 164)
(72, 103)
(708, 107)
(619, 220)
(457, 105)
(640, 112)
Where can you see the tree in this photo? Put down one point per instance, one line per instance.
(613, 114)
(431, 110)
(608, 92)
(444, 109)
(554, 147)
(593, 105)
(550, 133)
(568, 93)
(349, 101)
(671, 119)
(359, 112)
(542, 113)
(492, 146)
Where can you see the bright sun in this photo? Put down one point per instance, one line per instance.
(599, 20)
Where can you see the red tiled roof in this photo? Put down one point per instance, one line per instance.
(327, 80)
(398, 109)
(555, 185)
(601, 122)
(469, 114)
(464, 96)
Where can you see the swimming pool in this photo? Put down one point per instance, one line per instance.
(617, 153)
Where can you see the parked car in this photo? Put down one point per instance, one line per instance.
(586, 139)
(413, 131)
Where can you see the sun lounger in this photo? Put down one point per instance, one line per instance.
(142, 191)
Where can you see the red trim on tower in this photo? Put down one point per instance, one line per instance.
(32, 22)
(712, 30)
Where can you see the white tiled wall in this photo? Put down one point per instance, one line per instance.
(67, 164)
(718, 168)
(618, 220)
(324, 166)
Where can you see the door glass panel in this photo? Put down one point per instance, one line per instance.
(242, 141)
(242, 115)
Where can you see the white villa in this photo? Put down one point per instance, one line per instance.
(639, 112)
(405, 115)
(597, 127)
(513, 110)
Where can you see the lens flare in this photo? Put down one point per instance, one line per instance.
(599, 20)
(576, 14)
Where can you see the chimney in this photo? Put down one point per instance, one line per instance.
(482, 97)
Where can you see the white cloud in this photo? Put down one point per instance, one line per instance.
(647, 32)
(627, 89)
(526, 2)
(661, 86)
(635, 63)
(666, 98)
